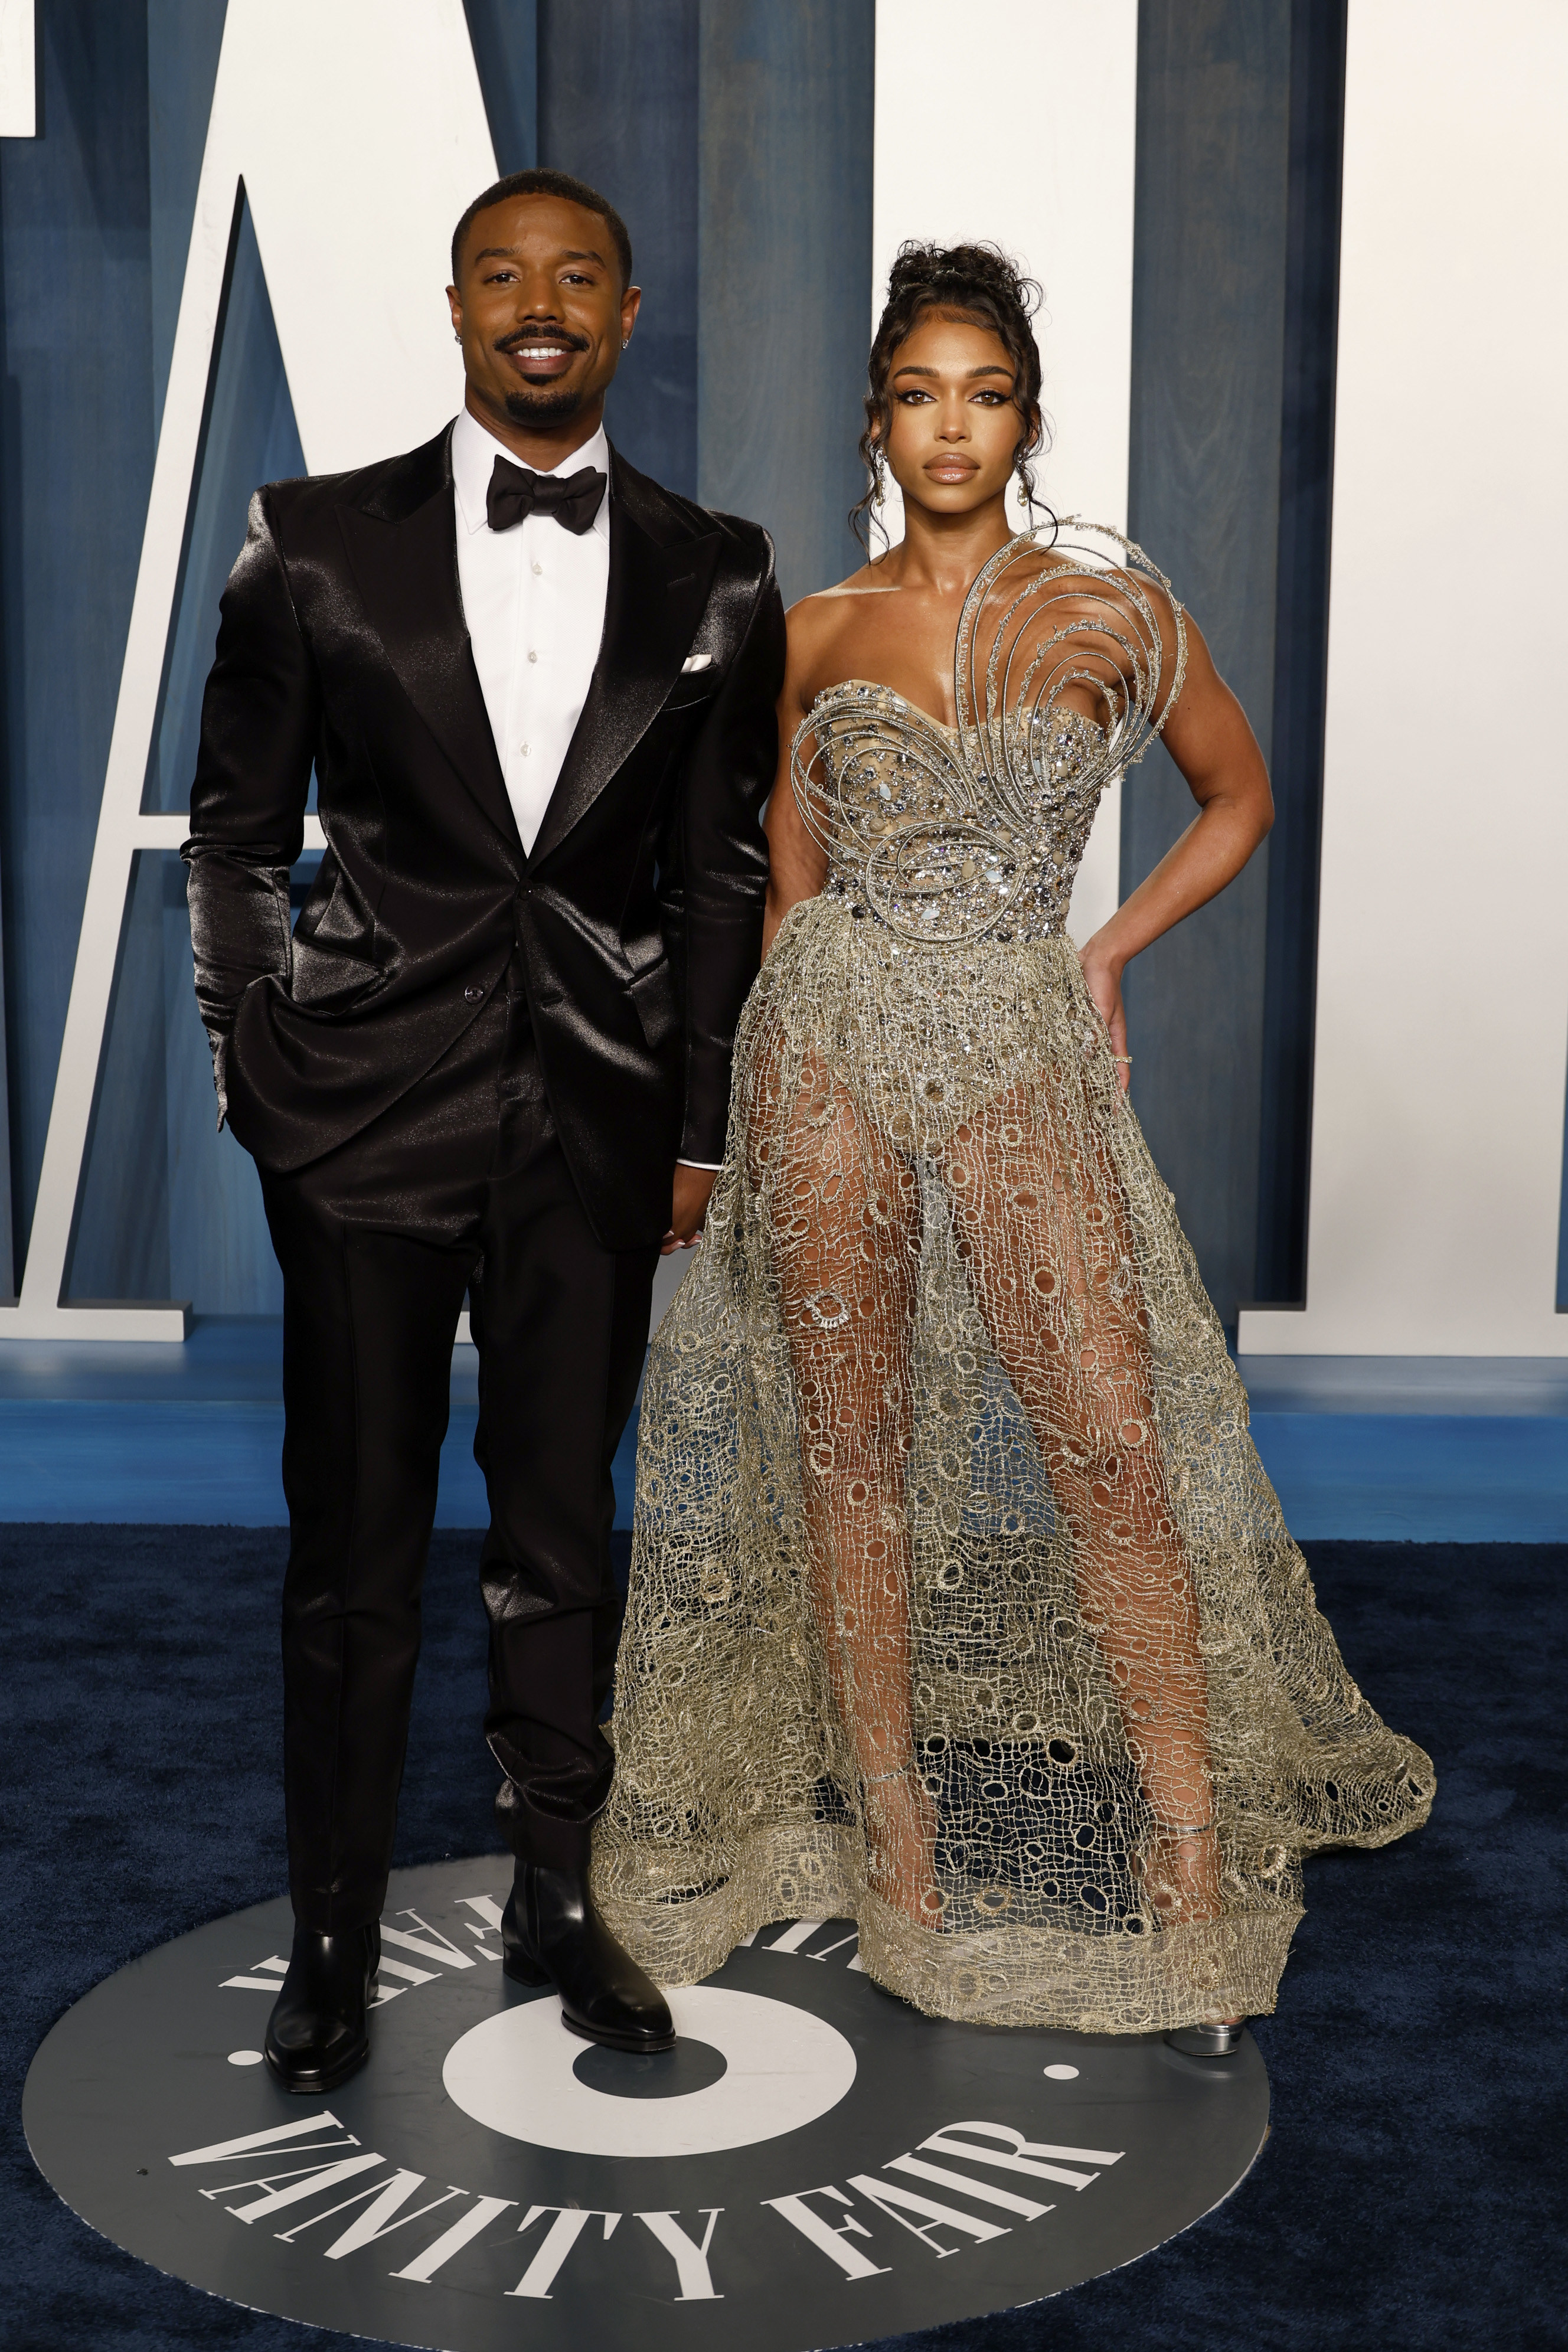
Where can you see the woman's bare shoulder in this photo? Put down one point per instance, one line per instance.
(821, 626)
(828, 608)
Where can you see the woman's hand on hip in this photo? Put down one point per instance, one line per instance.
(1103, 974)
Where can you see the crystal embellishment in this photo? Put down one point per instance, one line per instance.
(944, 831)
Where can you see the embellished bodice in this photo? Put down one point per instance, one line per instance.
(917, 848)
(947, 833)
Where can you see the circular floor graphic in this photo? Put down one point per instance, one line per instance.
(813, 2165)
(780, 2068)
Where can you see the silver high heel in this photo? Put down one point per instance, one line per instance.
(931, 1912)
(1215, 2037)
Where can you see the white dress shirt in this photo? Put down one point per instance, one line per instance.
(533, 598)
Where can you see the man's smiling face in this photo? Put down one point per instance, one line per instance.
(542, 315)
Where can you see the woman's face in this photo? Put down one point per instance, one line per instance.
(955, 422)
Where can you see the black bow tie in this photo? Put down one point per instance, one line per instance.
(515, 492)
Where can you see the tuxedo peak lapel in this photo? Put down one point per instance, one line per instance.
(401, 537)
(657, 594)
(395, 488)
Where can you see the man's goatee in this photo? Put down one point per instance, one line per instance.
(536, 408)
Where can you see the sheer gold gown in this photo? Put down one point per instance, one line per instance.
(960, 1602)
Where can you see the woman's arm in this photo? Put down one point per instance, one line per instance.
(797, 867)
(1208, 736)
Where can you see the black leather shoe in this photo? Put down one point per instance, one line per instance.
(317, 2036)
(550, 1933)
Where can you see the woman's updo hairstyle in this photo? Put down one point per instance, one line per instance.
(976, 284)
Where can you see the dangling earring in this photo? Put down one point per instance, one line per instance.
(878, 484)
(1026, 492)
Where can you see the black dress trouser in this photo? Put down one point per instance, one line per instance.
(462, 1185)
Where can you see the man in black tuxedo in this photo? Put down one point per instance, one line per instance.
(537, 692)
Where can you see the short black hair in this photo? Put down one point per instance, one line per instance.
(548, 183)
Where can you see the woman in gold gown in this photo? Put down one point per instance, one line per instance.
(960, 1604)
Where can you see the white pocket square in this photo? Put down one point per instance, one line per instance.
(696, 661)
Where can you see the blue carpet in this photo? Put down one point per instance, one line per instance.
(1409, 2193)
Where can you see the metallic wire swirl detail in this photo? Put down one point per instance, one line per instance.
(944, 829)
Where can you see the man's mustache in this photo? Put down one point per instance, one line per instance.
(556, 336)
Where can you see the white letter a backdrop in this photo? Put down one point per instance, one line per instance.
(358, 131)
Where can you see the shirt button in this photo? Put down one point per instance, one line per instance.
(524, 749)
(473, 995)
(539, 568)
(533, 657)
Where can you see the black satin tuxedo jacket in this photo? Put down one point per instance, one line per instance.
(636, 919)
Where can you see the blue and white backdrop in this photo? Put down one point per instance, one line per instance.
(1303, 335)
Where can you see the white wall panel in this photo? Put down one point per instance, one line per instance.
(375, 140)
(1442, 1016)
(18, 69)
(1017, 122)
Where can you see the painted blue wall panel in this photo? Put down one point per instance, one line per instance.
(1300, 644)
(251, 438)
(120, 1248)
(1214, 84)
(617, 107)
(505, 36)
(76, 464)
(787, 108)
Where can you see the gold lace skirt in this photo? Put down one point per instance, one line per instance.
(961, 1605)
